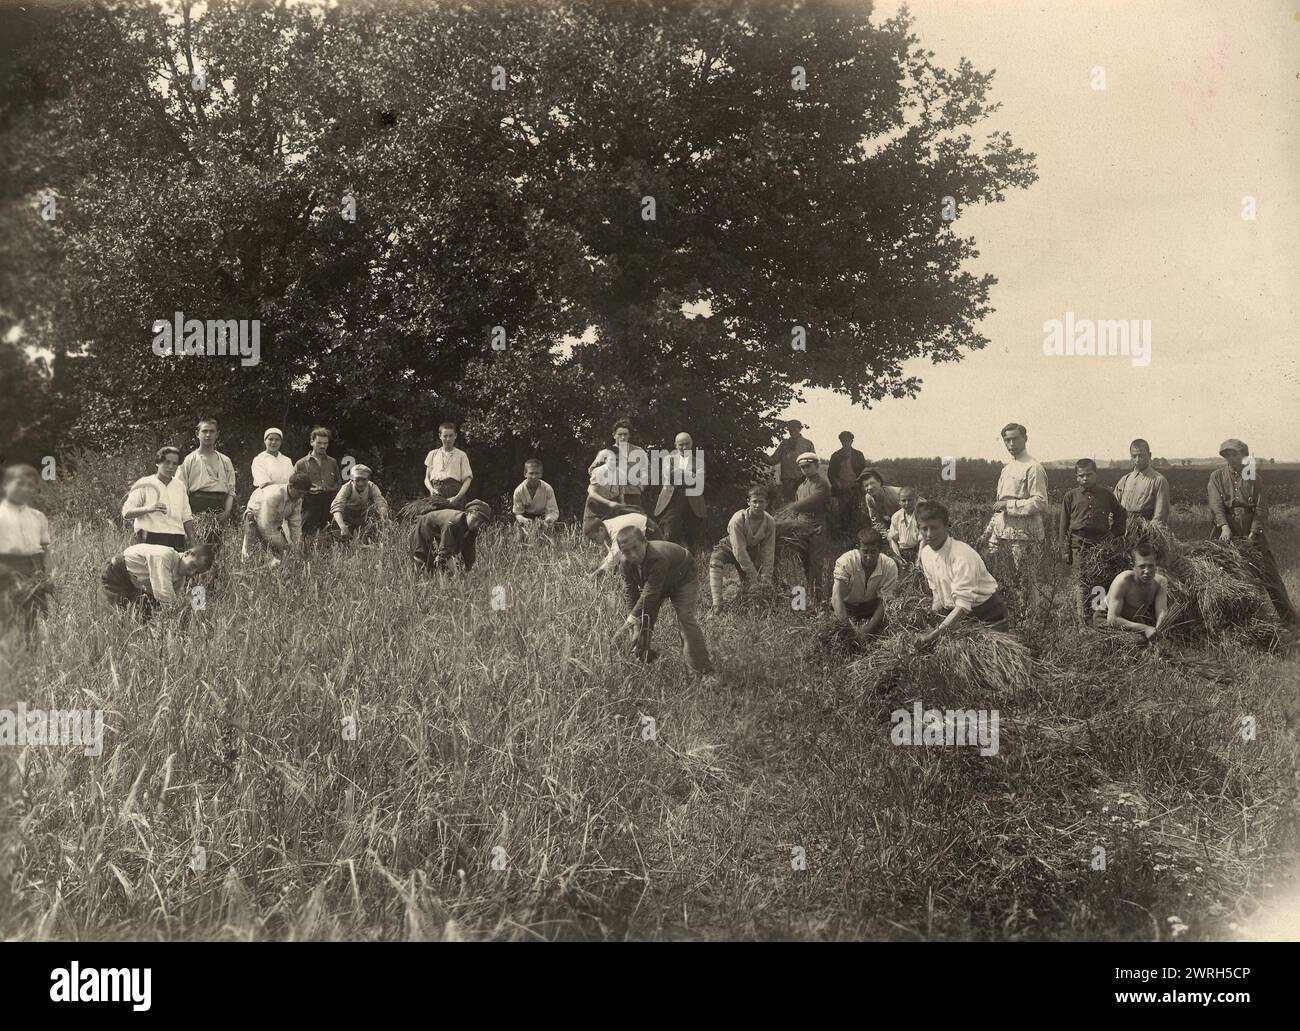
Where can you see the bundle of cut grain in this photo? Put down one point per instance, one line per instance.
(972, 658)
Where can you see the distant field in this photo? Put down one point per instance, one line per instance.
(1186, 484)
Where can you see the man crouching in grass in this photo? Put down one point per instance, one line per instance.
(961, 584)
(147, 577)
(274, 518)
(862, 577)
(653, 571)
(1138, 599)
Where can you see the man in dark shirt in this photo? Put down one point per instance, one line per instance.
(1241, 513)
(811, 505)
(1089, 514)
(787, 455)
(653, 571)
(325, 482)
(448, 533)
(846, 465)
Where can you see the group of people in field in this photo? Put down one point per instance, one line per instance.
(653, 550)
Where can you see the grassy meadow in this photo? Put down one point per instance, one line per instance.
(504, 782)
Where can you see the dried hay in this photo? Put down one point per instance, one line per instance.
(970, 658)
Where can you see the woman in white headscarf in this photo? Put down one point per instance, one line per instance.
(271, 467)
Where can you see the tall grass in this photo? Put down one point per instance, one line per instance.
(504, 781)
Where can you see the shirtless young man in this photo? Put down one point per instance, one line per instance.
(1138, 599)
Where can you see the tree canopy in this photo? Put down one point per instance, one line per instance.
(502, 159)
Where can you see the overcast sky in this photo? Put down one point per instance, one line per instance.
(1137, 214)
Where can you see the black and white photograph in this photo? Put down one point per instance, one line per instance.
(651, 470)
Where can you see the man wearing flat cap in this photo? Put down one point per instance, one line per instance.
(786, 456)
(812, 505)
(1241, 513)
(359, 508)
(448, 533)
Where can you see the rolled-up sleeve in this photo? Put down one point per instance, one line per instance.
(965, 584)
(1161, 514)
(162, 577)
(1215, 497)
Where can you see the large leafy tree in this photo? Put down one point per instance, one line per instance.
(502, 159)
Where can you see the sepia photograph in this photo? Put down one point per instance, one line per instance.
(650, 470)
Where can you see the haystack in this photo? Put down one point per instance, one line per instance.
(970, 658)
(1215, 589)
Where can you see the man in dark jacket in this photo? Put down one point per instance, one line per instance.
(448, 533)
(653, 571)
(846, 464)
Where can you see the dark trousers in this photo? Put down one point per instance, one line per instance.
(1272, 577)
(316, 511)
(861, 611)
(175, 541)
(1079, 546)
(909, 553)
(848, 507)
(814, 565)
(993, 612)
(121, 591)
(207, 501)
(24, 588)
(679, 523)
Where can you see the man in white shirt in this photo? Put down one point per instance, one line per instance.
(160, 504)
(25, 584)
(447, 474)
(1143, 491)
(533, 504)
(960, 583)
(862, 577)
(904, 534)
(274, 516)
(146, 577)
(1020, 511)
(209, 475)
(270, 466)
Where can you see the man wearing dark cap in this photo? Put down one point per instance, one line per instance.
(787, 455)
(1241, 513)
(448, 533)
(812, 505)
(846, 465)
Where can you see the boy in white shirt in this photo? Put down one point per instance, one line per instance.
(534, 505)
(160, 504)
(24, 542)
(961, 584)
(904, 534)
(447, 473)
